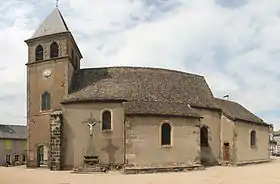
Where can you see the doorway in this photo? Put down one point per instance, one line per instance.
(8, 160)
(40, 155)
(204, 145)
(204, 137)
(226, 152)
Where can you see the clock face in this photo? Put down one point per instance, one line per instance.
(47, 73)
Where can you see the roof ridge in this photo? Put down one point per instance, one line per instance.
(229, 108)
(62, 18)
(226, 100)
(143, 67)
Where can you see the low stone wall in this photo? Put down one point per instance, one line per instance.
(143, 170)
(253, 162)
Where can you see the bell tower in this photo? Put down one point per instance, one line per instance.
(53, 56)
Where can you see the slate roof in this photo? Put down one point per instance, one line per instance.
(159, 108)
(235, 111)
(53, 24)
(13, 132)
(144, 90)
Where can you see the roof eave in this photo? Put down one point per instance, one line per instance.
(32, 39)
(68, 33)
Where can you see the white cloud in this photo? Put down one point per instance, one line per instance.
(236, 47)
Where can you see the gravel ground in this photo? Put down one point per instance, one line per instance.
(253, 174)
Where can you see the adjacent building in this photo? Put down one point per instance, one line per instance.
(13, 144)
(272, 141)
(132, 117)
(276, 145)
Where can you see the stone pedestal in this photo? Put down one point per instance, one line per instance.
(91, 160)
(56, 140)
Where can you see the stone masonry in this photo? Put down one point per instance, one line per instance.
(56, 136)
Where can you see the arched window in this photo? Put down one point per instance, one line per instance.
(39, 52)
(165, 134)
(253, 138)
(54, 50)
(204, 137)
(106, 120)
(46, 101)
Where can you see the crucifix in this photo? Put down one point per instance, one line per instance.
(56, 3)
(91, 123)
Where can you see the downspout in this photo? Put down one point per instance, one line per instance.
(235, 159)
(124, 143)
(221, 139)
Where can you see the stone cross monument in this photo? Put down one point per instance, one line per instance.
(91, 122)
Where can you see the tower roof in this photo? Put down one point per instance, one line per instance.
(53, 24)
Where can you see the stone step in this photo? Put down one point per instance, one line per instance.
(91, 169)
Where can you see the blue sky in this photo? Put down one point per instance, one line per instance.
(234, 44)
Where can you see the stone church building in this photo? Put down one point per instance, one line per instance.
(128, 117)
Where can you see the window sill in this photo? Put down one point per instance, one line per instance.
(109, 130)
(253, 147)
(166, 146)
(45, 111)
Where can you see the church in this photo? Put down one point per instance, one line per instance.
(128, 117)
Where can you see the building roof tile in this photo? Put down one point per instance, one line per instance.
(13, 132)
(53, 24)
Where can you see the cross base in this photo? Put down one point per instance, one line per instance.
(91, 160)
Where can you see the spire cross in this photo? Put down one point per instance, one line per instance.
(56, 3)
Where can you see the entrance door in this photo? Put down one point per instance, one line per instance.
(40, 155)
(226, 152)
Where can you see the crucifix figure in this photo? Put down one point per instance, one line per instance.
(91, 123)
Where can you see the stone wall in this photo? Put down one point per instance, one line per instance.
(244, 151)
(143, 142)
(56, 140)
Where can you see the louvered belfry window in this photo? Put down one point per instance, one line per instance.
(54, 49)
(39, 52)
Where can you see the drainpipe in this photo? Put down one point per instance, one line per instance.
(221, 138)
(124, 139)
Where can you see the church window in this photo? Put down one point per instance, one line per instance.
(54, 49)
(165, 134)
(39, 53)
(253, 138)
(46, 101)
(204, 136)
(106, 120)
